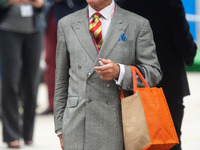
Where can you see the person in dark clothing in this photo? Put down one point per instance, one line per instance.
(21, 41)
(175, 49)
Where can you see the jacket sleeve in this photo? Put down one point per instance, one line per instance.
(184, 42)
(146, 57)
(61, 79)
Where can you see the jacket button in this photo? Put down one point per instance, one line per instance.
(108, 102)
(88, 74)
(108, 85)
(129, 88)
(87, 100)
(79, 66)
(88, 81)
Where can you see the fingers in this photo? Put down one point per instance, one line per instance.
(18, 2)
(37, 3)
(61, 141)
(108, 71)
(105, 61)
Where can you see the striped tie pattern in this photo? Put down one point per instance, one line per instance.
(96, 29)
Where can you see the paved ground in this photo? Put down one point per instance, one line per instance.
(45, 138)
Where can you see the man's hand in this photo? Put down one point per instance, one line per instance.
(61, 141)
(10, 2)
(34, 3)
(108, 71)
(37, 3)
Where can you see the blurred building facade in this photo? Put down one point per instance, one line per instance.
(192, 9)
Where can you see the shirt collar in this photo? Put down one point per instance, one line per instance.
(106, 12)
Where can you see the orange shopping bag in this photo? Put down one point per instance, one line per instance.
(147, 122)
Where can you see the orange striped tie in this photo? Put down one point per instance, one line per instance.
(96, 29)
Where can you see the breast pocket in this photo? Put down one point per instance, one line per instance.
(124, 52)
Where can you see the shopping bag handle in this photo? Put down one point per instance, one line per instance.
(134, 72)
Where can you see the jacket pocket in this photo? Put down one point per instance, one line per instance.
(72, 102)
(123, 52)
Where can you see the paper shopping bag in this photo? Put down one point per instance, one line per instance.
(147, 122)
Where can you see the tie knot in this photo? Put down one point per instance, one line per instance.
(97, 15)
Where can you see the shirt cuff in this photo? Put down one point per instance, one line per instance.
(121, 75)
(59, 132)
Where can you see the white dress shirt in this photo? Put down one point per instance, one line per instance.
(106, 17)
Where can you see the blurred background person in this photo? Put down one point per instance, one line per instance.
(175, 48)
(0, 89)
(57, 10)
(21, 42)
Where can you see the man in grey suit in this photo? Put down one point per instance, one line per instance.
(87, 106)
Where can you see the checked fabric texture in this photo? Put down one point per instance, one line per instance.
(96, 29)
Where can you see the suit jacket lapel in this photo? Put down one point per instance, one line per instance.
(81, 28)
(117, 27)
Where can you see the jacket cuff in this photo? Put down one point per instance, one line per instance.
(59, 132)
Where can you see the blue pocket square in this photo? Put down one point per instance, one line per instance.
(123, 38)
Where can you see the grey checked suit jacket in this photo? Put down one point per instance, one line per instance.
(86, 108)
